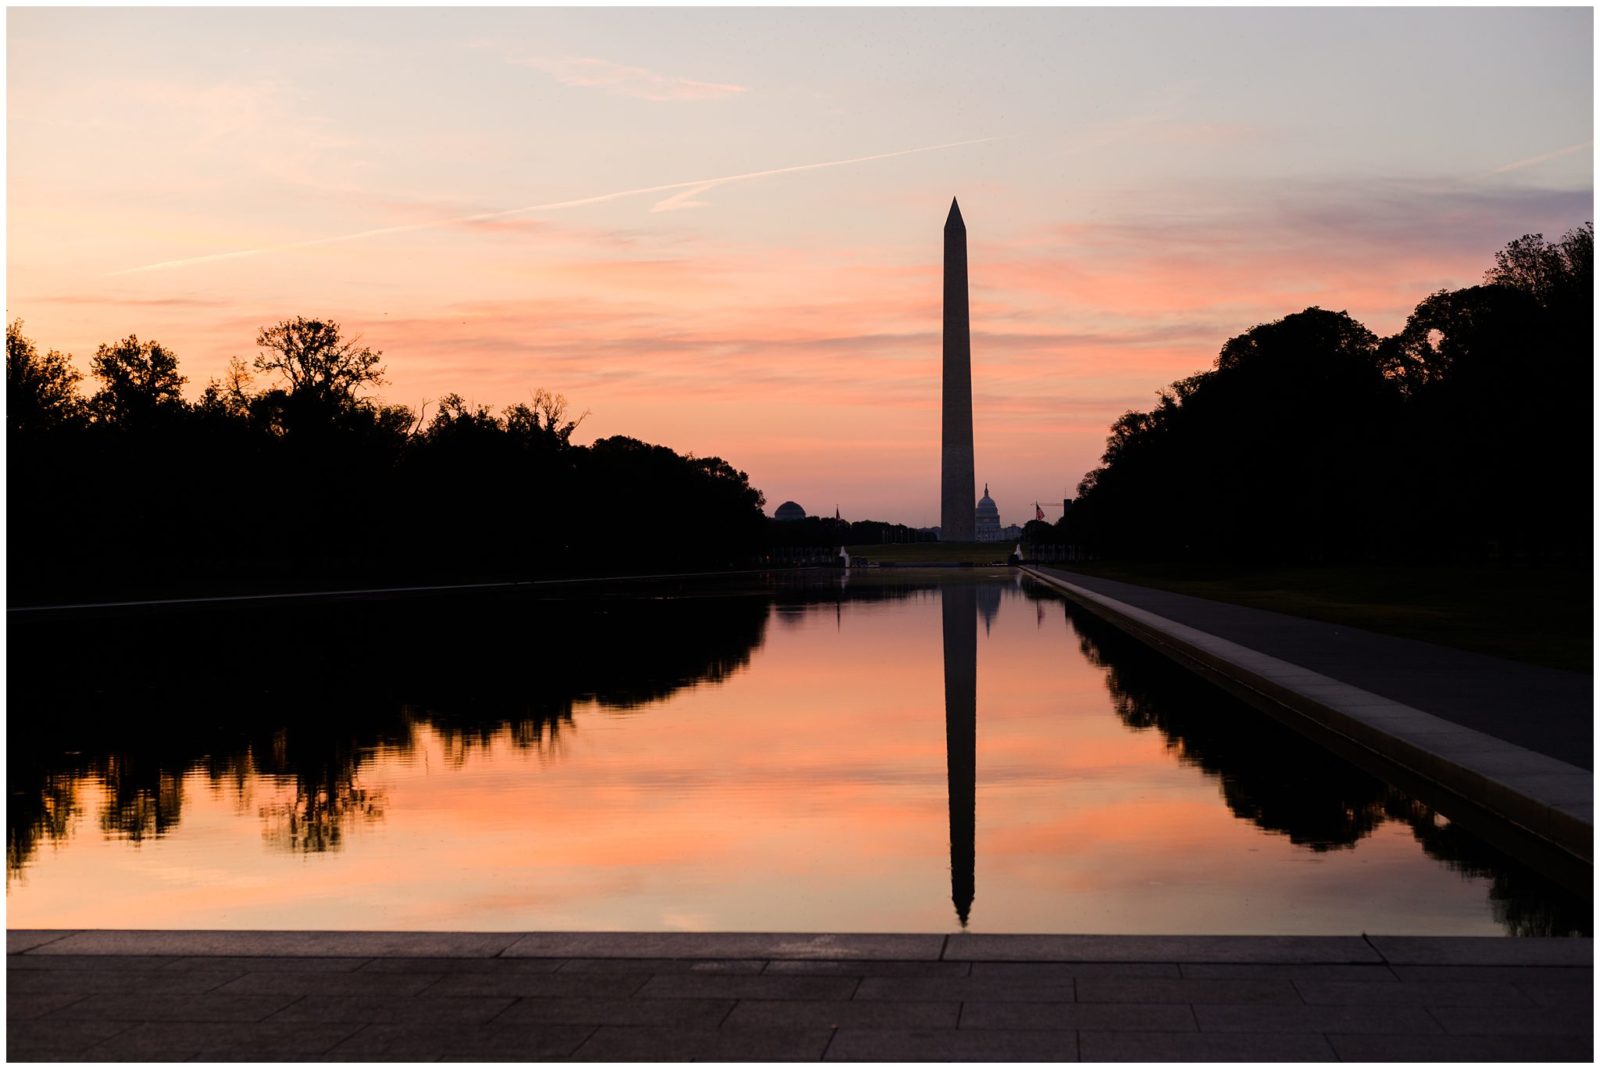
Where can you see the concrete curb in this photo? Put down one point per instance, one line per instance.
(1543, 796)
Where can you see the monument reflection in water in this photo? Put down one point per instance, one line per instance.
(750, 755)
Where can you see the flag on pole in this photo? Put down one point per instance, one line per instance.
(1038, 513)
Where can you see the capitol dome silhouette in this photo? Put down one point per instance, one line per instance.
(987, 527)
(789, 511)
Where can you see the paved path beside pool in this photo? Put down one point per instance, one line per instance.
(1513, 738)
(333, 996)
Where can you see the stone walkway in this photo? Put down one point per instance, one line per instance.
(279, 996)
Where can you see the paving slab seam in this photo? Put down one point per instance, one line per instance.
(833, 1034)
(501, 1012)
(52, 937)
(1548, 802)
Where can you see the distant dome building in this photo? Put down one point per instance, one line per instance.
(789, 511)
(987, 527)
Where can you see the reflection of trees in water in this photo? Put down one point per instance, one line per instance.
(473, 725)
(141, 800)
(314, 822)
(1269, 774)
(324, 770)
(38, 812)
(366, 676)
(1286, 784)
(797, 593)
(1522, 899)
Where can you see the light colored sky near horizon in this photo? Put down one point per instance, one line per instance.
(1139, 185)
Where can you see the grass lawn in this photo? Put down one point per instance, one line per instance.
(1539, 615)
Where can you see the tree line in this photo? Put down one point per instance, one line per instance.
(288, 473)
(833, 532)
(1465, 436)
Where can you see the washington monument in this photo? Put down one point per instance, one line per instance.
(956, 516)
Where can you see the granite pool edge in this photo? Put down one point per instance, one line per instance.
(1570, 951)
(1542, 796)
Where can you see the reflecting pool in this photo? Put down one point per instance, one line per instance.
(892, 751)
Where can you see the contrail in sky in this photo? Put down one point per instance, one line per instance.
(699, 185)
(1531, 160)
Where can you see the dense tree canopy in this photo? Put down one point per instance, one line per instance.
(1467, 434)
(41, 391)
(285, 473)
(139, 382)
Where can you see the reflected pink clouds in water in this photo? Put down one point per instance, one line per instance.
(807, 791)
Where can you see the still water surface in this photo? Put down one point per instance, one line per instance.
(894, 753)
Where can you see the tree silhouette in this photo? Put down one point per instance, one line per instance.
(139, 383)
(456, 419)
(1271, 453)
(542, 421)
(1041, 532)
(228, 398)
(318, 377)
(1312, 440)
(312, 482)
(1550, 273)
(316, 362)
(41, 391)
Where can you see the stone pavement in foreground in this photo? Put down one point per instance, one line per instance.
(334, 996)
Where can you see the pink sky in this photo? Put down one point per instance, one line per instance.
(688, 274)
